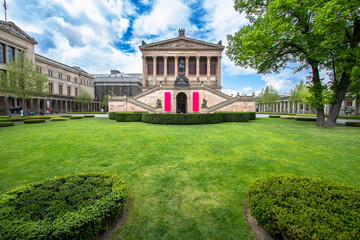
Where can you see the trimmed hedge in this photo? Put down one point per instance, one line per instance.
(274, 116)
(31, 121)
(76, 117)
(4, 117)
(352, 124)
(58, 119)
(128, 116)
(182, 119)
(87, 112)
(112, 115)
(286, 117)
(70, 207)
(291, 207)
(89, 116)
(235, 116)
(305, 119)
(252, 115)
(6, 124)
(65, 115)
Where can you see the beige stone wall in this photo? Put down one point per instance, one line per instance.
(243, 106)
(124, 107)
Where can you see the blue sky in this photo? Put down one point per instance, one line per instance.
(100, 35)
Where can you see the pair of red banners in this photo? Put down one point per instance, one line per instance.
(168, 101)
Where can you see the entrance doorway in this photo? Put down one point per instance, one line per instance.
(181, 103)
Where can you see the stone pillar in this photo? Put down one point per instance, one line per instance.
(288, 106)
(154, 69)
(31, 105)
(66, 106)
(218, 71)
(304, 108)
(293, 108)
(176, 66)
(6, 105)
(165, 66)
(187, 66)
(38, 106)
(197, 67)
(144, 71)
(208, 58)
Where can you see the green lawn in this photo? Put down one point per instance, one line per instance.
(185, 182)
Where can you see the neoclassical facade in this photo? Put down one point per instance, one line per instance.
(182, 75)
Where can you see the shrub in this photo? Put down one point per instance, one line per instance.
(287, 117)
(70, 207)
(31, 121)
(4, 117)
(65, 115)
(252, 115)
(76, 117)
(235, 116)
(89, 116)
(112, 115)
(305, 119)
(305, 208)
(128, 116)
(274, 116)
(352, 124)
(182, 119)
(58, 119)
(38, 117)
(87, 112)
(6, 124)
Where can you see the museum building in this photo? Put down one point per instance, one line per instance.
(182, 75)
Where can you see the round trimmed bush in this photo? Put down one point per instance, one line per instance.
(70, 207)
(31, 121)
(58, 119)
(76, 117)
(274, 116)
(290, 207)
(6, 124)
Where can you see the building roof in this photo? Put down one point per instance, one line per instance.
(119, 77)
(15, 30)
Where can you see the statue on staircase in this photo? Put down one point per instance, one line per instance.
(181, 66)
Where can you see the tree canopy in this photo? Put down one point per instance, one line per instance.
(300, 93)
(83, 97)
(269, 96)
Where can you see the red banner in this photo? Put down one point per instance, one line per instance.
(195, 101)
(167, 101)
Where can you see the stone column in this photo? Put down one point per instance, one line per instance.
(293, 108)
(176, 66)
(154, 69)
(218, 71)
(197, 67)
(38, 106)
(304, 108)
(31, 105)
(165, 66)
(144, 71)
(208, 70)
(187, 66)
(288, 106)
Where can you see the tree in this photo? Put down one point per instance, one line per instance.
(84, 98)
(300, 93)
(269, 96)
(282, 32)
(22, 81)
(105, 102)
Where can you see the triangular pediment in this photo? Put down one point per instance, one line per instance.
(181, 43)
(13, 29)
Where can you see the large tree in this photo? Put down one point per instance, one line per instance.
(300, 93)
(282, 32)
(20, 79)
(268, 97)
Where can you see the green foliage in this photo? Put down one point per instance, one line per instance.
(128, 116)
(83, 97)
(89, 116)
(299, 93)
(86, 112)
(6, 124)
(235, 116)
(65, 115)
(31, 121)
(57, 119)
(305, 119)
(105, 102)
(291, 207)
(252, 115)
(76, 117)
(4, 117)
(274, 116)
(286, 117)
(70, 207)
(352, 124)
(268, 96)
(182, 119)
(112, 115)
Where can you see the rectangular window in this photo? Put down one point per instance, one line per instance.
(150, 68)
(50, 73)
(69, 91)
(192, 66)
(60, 75)
(171, 68)
(18, 52)
(60, 90)
(2, 53)
(159, 68)
(68, 78)
(50, 87)
(203, 67)
(76, 79)
(212, 68)
(11, 53)
(38, 69)
(76, 92)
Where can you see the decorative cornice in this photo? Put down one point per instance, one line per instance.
(15, 30)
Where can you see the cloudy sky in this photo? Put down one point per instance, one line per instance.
(100, 35)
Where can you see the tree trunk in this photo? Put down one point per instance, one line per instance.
(320, 116)
(335, 107)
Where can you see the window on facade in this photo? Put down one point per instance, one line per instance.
(69, 91)
(76, 91)
(171, 66)
(150, 69)
(213, 66)
(203, 67)
(50, 87)
(60, 90)
(192, 66)
(68, 78)
(76, 79)
(18, 52)
(160, 66)
(2, 53)
(38, 69)
(60, 75)
(50, 73)
(11, 53)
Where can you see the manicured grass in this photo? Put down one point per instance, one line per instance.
(185, 182)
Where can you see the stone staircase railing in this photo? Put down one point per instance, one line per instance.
(222, 104)
(141, 104)
(149, 91)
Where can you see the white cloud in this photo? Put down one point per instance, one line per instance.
(247, 90)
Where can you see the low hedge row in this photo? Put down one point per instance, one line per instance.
(113, 114)
(76, 117)
(128, 116)
(291, 207)
(6, 124)
(182, 119)
(4, 117)
(305, 119)
(287, 117)
(352, 124)
(58, 119)
(70, 207)
(274, 116)
(89, 116)
(31, 121)
(87, 112)
(309, 115)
